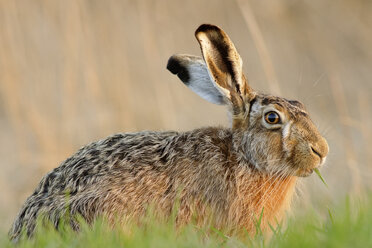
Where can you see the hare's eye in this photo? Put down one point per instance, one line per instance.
(272, 118)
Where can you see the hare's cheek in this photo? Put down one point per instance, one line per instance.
(273, 151)
(301, 158)
(290, 150)
(288, 146)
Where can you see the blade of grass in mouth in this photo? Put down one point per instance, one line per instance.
(320, 176)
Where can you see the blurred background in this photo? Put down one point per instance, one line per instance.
(76, 71)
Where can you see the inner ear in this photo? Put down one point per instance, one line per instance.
(194, 74)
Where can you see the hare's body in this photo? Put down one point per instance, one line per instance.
(121, 175)
(222, 176)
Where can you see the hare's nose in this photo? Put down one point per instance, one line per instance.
(320, 148)
(316, 152)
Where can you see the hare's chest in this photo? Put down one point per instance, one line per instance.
(268, 196)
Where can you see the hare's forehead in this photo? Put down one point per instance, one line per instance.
(290, 107)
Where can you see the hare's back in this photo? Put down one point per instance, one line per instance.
(93, 162)
(123, 172)
(77, 182)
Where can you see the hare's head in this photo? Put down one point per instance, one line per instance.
(272, 133)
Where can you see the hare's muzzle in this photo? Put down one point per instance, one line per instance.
(320, 148)
(318, 153)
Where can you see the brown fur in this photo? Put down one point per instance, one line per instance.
(222, 176)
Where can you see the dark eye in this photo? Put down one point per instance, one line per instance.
(272, 117)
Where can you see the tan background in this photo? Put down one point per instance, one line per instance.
(75, 71)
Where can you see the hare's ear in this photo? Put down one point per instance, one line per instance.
(194, 74)
(225, 68)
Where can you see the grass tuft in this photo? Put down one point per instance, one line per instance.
(348, 225)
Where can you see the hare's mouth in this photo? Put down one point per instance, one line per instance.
(308, 171)
(305, 172)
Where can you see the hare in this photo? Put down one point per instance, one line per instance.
(223, 176)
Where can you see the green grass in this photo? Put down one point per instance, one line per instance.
(348, 225)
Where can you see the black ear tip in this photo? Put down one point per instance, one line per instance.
(175, 66)
(205, 28)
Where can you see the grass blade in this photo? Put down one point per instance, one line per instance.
(320, 176)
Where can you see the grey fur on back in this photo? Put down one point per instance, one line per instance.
(86, 183)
